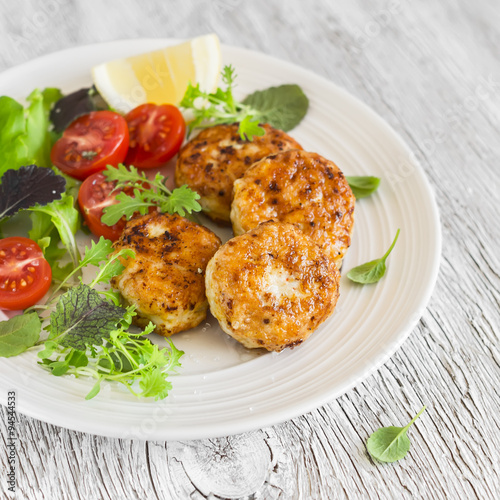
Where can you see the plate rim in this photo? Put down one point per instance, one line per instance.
(275, 417)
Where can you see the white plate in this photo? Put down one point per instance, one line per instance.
(223, 388)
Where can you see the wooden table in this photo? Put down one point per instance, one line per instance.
(432, 71)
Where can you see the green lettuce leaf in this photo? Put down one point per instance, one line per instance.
(25, 137)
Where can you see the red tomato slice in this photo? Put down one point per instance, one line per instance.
(94, 196)
(25, 275)
(156, 134)
(90, 143)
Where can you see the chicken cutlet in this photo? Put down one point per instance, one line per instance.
(214, 159)
(301, 188)
(166, 279)
(271, 287)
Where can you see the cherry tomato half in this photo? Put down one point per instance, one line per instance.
(94, 196)
(90, 143)
(25, 275)
(156, 134)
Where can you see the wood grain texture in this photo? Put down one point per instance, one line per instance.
(432, 72)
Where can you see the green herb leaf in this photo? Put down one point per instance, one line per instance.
(94, 391)
(147, 193)
(372, 271)
(83, 318)
(181, 200)
(249, 128)
(66, 219)
(18, 334)
(283, 107)
(390, 444)
(220, 107)
(48, 349)
(363, 186)
(112, 266)
(97, 252)
(58, 368)
(155, 384)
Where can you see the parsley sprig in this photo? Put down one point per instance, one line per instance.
(210, 109)
(147, 193)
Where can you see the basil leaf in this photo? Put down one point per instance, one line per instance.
(83, 318)
(363, 186)
(18, 334)
(282, 107)
(390, 444)
(28, 186)
(372, 271)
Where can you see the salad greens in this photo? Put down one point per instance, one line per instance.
(282, 107)
(123, 357)
(390, 444)
(147, 193)
(25, 137)
(372, 271)
(88, 333)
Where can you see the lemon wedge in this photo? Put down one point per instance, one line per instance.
(161, 76)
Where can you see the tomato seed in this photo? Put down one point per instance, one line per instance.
(31, 269)
(23, 283)
(30, 279)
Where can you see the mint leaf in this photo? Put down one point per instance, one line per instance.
(28, 186)
(372, 271)
(83, 318)
(363, 186)
(283, 107)
(390, 444)
(18, 334)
